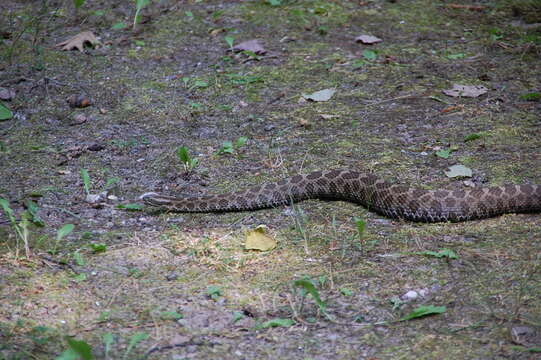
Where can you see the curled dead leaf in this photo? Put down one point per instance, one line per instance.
(251, 45)
(256, 239)
(368, 39)
(465, 90)
(79, 101)
(78, 41)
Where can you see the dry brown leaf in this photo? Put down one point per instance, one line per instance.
(466, 90)
(368, 39)
(251, 45)
(78, 41)
(256, 239)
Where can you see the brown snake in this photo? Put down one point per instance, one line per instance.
(374, 193)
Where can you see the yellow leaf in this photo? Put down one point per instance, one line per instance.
(257, 240)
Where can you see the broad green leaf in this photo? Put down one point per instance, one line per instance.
(112, 181)
(311, 289)
(78, 3)
(86, 180)
(170, 315)
(133, 207)
(424, 311)
(79, 277)
(5, 113)
(459, 171)
(98, 248)
(7, 210)
(227, 148)
(346, 291)
(63, 231)
(444, 153)
(229, 40)
(237, 315)
(440, 254)
(277, 323)
(188, 14)
(200, 84)
(119, 26)
(456, 56)
(472, 137)
(139, 4)
(81, 348)
(370, 55)
(214, 292)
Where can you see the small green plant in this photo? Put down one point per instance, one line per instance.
(187, 161)
(85, 176)
(279, 322)
(214, 292)
(445, 253)
(307, 287)
(229, 147)
(22, 232)
(473, 136)
(77, 349)
(60, 234)
(139, 5)
(229, 40)
(533, 96)
(370, 55)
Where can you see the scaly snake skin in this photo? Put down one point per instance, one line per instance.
(374, 193)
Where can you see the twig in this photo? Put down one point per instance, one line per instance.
(156, 348)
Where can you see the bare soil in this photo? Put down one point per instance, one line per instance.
(183, 283)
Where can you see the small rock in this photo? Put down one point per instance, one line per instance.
(79, 119)
(410, 295)
(96, 147)
(171, 277)
(93, 198)
(112, 197)
(468, 183)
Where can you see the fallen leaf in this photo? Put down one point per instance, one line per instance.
(78, 41)
(79, 101)
(328, 116)
(459, 171)
(368, 39)
(6, 94)
(5, 113)
(250, 45)
(321, 95)
(465, 90)
(257, 240)
(424, 310)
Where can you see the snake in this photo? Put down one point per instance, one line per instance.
(369, 190)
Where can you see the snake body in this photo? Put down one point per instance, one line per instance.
(374, 193)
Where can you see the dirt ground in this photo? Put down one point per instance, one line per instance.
(146, 285)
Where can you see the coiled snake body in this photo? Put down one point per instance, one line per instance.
(374, 193)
